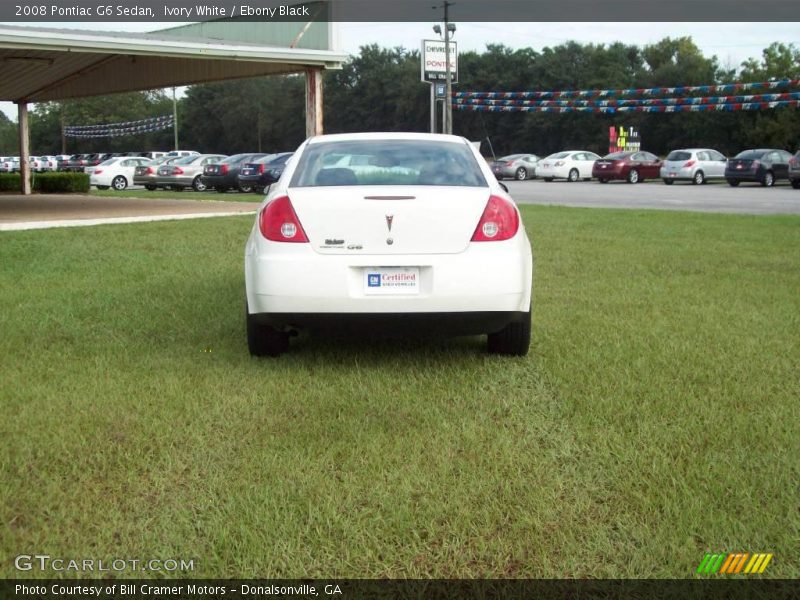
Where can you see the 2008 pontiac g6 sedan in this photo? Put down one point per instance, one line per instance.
(414, 234)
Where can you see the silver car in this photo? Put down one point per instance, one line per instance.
(517, 166)
(186, 172)
(693, 164)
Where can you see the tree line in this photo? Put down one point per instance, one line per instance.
(380, 90)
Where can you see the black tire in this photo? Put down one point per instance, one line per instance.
(602, 180)
(733, 183)
(573, 176)
(633, 176)
(768, 180)
(521, 174)
(668, 181)
(699, 178)
(119, 183)
(101, 187)
(198, 185)
(221, 190)
(548, 179)
(245, 189)
(796, 184)
(263, 340)
(151, 188)
(513, 340)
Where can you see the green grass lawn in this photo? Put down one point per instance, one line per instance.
(655, 418)
(188, 194)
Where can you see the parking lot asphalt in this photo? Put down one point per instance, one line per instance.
(41, 211)
(748, 198)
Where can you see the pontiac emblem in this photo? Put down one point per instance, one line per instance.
(389, 219)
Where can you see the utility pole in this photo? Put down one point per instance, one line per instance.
(175, 117)
(448, 76)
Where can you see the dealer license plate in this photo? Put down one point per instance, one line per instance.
(385, 281)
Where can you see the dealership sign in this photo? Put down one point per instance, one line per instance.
(433, 61)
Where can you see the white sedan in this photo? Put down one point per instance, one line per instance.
(115, 172)
(571, 165)
(428, 241)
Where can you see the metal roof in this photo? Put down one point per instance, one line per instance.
(41, 64)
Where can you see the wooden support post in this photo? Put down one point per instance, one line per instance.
(313, 102)
(24, 148)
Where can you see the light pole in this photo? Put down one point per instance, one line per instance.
(448, 76)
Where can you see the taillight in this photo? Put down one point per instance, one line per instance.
(279, 223)
(500, 221)
(688, 164)
(177, 171)
(261, 167)
(223, 168)
(510, 163)
(149, 171)
(98, 171)
(793, 162)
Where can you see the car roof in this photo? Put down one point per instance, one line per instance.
(388, 135)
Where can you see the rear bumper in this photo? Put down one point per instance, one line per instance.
(292, 283)
(743, 176)
(214, 181)
(610, 173)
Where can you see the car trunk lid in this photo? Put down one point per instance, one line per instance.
(389, 220)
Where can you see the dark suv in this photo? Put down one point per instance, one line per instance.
(765, 166)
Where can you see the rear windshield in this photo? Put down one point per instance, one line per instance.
(388, 162)
(559, 155)
(187, 160)
(750, 154)
(236, 158)
(510, 157)
(679, 155)
(617, 155)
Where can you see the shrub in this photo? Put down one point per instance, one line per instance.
(47, 183)
(9, 182)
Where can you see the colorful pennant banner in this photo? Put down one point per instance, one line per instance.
(120, 129)
(656, 91)
(726, 107)
(636, 102)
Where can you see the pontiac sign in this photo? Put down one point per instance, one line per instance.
(433, 62)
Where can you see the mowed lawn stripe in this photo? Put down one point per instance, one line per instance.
(654, 420)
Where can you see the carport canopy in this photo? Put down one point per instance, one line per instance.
(41, 64)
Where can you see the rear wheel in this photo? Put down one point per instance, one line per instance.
(119, 183)
(521, 174)
(245, 188)
(198, 185)
(733, 183)
(633, 176)
(796, 184)
(699, 178)
(668, 181)
(151, 188)
(221, 190)
(263, 340)
(768, 180)
(513, 340)
(602, 180)
(548, 179)
(573, 175)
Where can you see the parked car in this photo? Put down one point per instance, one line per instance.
(439, 255)
(49, 163)
(180, 153)
(632, 167)
(63, 162)
(10, 164)
(37, 164)
(570, 165)
(264, 172)
(222, 176)
(186, 171)
(115, 172)
(518, 166)
(697, 165)
(794, 170)
(765, 166)
(147, 173)
(152, 155)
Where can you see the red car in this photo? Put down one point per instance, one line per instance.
(632, 167)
